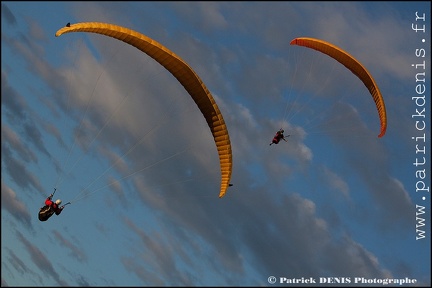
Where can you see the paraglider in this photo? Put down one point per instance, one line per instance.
(50, 208)
(184, 74)
(355, 67)
(279, 136)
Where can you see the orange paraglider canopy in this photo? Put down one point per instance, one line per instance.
(183, 73)
(354, 66)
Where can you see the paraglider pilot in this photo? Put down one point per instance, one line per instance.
(50, 208)
(279, 136)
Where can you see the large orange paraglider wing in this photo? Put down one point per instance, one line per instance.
(355, 66)
(184, 74)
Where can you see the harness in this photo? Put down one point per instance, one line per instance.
(45, 213)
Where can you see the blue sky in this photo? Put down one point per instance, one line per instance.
(120, 138)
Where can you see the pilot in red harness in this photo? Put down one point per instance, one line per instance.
(279, 136)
